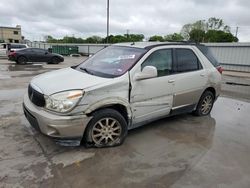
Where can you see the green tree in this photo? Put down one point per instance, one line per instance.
(93, 39)
(174, 37)
(211, 30)
(124, 38)
(217, 24)
(156, 38)
(197, 35)
(219, 36)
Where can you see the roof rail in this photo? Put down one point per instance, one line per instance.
(173, 43)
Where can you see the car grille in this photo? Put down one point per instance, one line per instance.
(36, 97)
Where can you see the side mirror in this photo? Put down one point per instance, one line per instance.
(147, 72)
(46, 53)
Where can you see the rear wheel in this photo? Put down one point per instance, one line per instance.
(106, 129)
(22, 60)
(205, 104)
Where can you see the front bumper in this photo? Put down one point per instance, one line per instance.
(59, 127)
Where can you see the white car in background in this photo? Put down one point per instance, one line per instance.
(6, 48)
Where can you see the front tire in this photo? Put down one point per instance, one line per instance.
(205, 104)
(107, 128)
(54, 60)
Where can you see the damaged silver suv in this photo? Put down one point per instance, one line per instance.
(122, 87)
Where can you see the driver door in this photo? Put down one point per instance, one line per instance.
(152, 98)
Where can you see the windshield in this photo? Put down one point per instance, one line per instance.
(112, 61)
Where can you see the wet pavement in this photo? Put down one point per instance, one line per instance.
(180, 151)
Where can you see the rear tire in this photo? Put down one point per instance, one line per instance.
(107, 128)
(205, 104)
(22, 60)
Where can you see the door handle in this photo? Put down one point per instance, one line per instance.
(202, 74)
(171, 81)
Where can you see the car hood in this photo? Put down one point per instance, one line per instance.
(65, 79)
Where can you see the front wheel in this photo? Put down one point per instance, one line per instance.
(54, 60)
(205, 104)
(106, 129)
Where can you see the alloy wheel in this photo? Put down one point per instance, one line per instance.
(206, 104)
(106, 131)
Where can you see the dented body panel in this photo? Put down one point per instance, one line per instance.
(144, 100)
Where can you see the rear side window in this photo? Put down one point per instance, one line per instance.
(209, 55)
(161, 60)
(186, 60)
(17, 46)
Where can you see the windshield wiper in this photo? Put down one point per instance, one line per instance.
(86, 70)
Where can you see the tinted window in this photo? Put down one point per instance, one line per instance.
(186, 60)
(162, 60)
(207, 52)
(16, 46)
(38, 50)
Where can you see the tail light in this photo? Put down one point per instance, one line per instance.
(12, 53)
(220, 69)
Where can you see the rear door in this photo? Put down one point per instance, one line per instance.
(152, 98)
(190, 79)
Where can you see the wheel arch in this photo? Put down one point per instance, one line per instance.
(120, 107)
(211, 89)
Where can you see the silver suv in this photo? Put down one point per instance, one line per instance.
(122, 87)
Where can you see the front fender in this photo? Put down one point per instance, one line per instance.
(109, 102)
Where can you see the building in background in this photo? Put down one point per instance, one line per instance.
(11, 34)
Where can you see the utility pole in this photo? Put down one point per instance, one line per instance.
(127, 33)
(107, 21)
(237, 28)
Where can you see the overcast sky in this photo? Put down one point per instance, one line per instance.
(83, 18)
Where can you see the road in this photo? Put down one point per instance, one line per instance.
(180, 151)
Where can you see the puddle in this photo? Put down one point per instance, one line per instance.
(27, 67)
(69, 158)
(2, 76)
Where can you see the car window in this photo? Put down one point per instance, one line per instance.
(17, 46)
(186, 60)
(207, 52)
(39, 50)
(161, 60)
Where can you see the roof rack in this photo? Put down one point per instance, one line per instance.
(173, 43)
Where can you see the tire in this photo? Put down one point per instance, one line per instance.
(22, 60)
(107, 128)
(54, 60)
(205, 104)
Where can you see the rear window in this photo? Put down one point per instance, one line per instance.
(207, 52)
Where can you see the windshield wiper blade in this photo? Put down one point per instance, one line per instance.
(86, 70)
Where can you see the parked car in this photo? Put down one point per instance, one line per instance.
(12, 47)
(6, 48)
(35, 55)
(119, 88)
(3, 49)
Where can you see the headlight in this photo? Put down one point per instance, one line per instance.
(63, 101)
